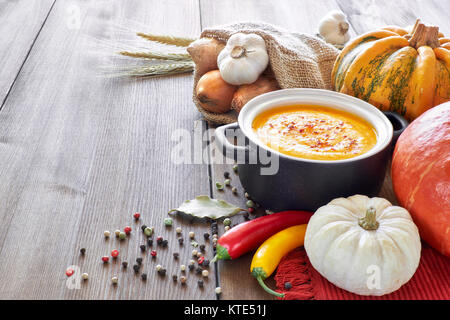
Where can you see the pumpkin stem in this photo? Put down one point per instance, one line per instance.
(238, 52)
(369, 222)
(424, 35)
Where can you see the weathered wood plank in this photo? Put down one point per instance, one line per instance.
(294, 16)
(433, 12)
(370, 14)
(21, 22)
(298, 16)
(80, 153)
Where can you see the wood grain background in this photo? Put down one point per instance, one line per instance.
(80, 152)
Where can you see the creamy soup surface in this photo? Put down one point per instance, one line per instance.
(314, 132)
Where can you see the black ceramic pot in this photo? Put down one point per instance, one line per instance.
(281, 182)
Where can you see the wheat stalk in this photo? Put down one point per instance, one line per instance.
(158, 55)
(170, 40)
(163, 69)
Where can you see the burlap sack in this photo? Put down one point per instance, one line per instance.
(296, 60)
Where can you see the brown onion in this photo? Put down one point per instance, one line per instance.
(247, 92)
(213, 93)
(204, 53)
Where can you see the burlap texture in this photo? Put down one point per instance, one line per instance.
(296, 60)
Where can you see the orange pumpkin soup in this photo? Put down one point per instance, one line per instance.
(314, 132)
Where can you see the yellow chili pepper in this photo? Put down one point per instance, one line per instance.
(269, 254)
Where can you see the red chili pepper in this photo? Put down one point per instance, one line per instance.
(249, 235)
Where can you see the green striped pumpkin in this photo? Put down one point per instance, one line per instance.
(396, 70)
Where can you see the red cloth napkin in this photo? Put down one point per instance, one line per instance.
(430, 282)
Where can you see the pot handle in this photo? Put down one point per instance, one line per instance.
(224, 145)
(398, 122)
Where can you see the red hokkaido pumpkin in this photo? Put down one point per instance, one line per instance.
(421, 175)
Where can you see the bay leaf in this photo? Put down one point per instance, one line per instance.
(205, 207)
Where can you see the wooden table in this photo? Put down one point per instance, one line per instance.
(80, 152)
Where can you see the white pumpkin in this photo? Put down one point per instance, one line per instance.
(243, 59)
(363, 245)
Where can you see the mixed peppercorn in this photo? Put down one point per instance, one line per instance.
(198, 265)
(148, 232)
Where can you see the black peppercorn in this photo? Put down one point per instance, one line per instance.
(144, 276)
(162, 272)
(200, 283)
(83, 251)
(287, 285)
(206, 235)
(159, 240)
(198, 270)
(139, 261)
(143, 247)
(226, 174)
(191, 267)
(180, 241)
(136, 268)
(202, 248)
(164, 243)
(143, 227)
(176, 255)
(205, 263)
(150, 242)
(124, 264)
(174, 277)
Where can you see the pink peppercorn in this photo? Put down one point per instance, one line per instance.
(105, 259)
(153, 253)
(137, 215)
(115, 253)
(200, 260)
(251, 210)
(127, 230)
(69, 272)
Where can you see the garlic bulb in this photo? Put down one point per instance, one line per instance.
(243, 59)
(334, 28)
